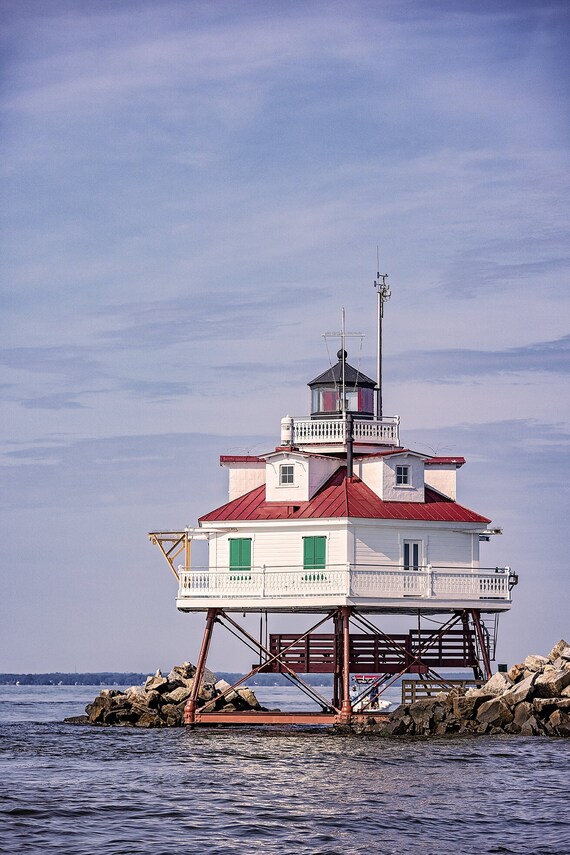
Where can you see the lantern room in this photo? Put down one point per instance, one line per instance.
(342, 390)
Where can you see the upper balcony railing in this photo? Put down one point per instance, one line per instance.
(322, 431)
(362, 582)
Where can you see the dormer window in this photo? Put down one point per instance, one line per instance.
(402, 476)
(286, 472)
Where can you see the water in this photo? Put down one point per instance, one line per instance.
(83, 790)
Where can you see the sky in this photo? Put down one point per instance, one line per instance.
(191, 193)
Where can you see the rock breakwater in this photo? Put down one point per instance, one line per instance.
(531, 699)
(160, 702)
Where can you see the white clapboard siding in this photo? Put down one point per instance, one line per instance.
(278, 546)
(384, 545)
(376, 546)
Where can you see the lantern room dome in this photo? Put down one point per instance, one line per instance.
(327, 392)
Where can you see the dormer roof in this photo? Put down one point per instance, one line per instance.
(346, 498)
(444, 461)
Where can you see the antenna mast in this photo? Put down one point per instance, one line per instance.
(342, 342)
(384, 294)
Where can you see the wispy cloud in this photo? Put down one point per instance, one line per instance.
(438, 366)
(55, 401)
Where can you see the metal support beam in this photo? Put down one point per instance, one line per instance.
(190, 708)
(255, 644)
(346, 707)
(476, 615)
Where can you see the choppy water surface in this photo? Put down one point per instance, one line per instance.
(82, 790)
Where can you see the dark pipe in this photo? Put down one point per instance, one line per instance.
(349, 449)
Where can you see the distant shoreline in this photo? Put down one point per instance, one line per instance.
(132, 678)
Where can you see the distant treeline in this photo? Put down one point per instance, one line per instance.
(100, 678)
(130, 678)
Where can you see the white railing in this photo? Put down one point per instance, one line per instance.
(384, 432)
(355, 581)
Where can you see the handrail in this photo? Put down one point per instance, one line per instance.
(376, 431)
(398, 568)
(346, 580)
(414, 688)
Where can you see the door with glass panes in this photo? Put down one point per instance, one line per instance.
(412, 554)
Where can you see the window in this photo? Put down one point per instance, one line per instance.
(365, 401)
(402, 476)
(314, 557)
(240, 558)
(286, 473)
(412, 554)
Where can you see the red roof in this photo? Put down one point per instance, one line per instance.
(439, 461)
(343, 497)
(239, 458)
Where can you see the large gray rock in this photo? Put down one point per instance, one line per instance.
(544, 706)
(221, 686)
(136, 695)
(181, 693)
(521, 691)
(495, 713)
(515, 672)
(552, 683)
(498, 684)
(248, 698)
(465, 707)
(421, 712)
(97, 710)
(182, 673)
(207, 692)
(156, 682)
(523, 712)
(530, 727)
(559, 721)
(557, 649)
(478, 693)
(535, 663)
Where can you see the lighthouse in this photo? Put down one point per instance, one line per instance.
(343, 524)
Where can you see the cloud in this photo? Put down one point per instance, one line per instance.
(56, 401)
(214, 317)
(73, 362)
(456, 365)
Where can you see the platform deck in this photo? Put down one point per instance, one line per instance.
(255, 718)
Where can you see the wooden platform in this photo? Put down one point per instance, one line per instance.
(255, 718)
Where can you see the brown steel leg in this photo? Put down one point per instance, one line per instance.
(346, 705)
(476, 614)
(190, 708)
(337, 688)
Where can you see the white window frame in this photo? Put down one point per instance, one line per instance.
(286, 479)
(405, 473)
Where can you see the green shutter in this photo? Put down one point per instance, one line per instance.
(320, 551)
(314, 555)
(240, 555)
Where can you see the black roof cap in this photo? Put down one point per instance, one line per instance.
(352, 377)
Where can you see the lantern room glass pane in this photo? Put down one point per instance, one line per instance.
(329, 400)
(365, 400)
(325, 400)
